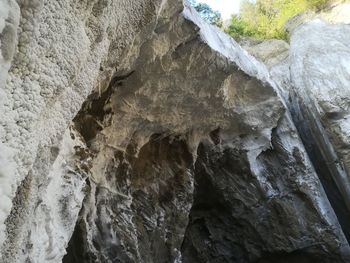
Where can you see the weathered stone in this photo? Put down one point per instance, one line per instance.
(313, 82)
(135, 132)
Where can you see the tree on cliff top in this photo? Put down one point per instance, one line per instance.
(264, 19)
(207, 13)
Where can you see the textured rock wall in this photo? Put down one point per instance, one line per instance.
(241, 214)
(9, 19)
(314, 79)
(326, 86)
(132, 131)
(322, 98)
(231, 193)
(65, 49)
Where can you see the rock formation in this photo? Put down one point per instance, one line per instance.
(312, 77)
(132, 131)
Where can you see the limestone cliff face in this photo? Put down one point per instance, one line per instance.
(312, 75)
(321, 94)
(132, 131)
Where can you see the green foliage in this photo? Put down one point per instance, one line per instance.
(264, 19)
(238, 27)
(207, 13)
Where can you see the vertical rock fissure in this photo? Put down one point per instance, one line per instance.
(323, 157)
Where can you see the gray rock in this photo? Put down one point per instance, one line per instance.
(313, 81)
(136, 132)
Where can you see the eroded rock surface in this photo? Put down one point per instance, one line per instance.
(65, 49)
(135, 132)
(236, 206)
(326, 87)
(313, 82)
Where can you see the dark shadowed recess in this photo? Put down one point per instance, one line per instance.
(163, 161)
(94, 115)
(232, 220)
(76, 247)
